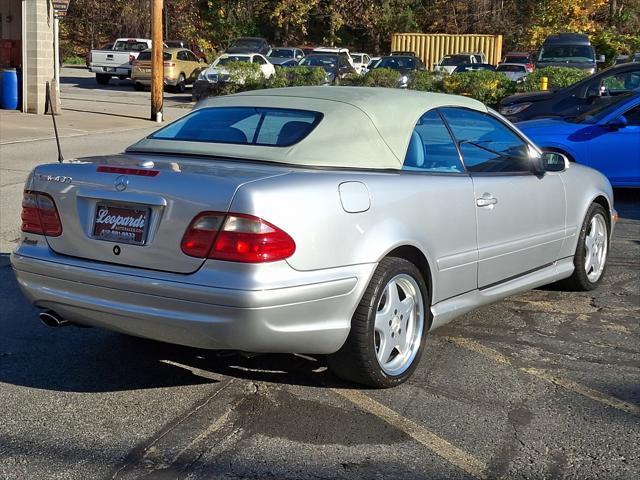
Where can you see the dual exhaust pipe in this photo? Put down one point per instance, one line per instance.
(52, 319)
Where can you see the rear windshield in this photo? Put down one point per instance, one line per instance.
(454, 60)
(516, 59)
(146, 56)
(231, 59)
(130, 46)
(397, 63)
(282, 53)
(278, 127)
(510, 68)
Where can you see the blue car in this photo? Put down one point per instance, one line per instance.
(606, 138)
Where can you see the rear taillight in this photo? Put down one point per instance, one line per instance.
(40, 215)
(169, 64)
(237, 238)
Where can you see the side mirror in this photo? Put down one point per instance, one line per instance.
(554, 162)
(601, 59)
(617, 123)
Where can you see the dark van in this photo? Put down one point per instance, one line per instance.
(568, 50)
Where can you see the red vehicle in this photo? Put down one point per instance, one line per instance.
(522, 58)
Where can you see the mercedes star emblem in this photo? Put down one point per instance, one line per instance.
(121, 183)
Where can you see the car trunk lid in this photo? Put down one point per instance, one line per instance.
(134, 209)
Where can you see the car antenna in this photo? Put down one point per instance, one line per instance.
(55, 127)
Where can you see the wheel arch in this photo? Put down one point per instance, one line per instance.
(414, 255)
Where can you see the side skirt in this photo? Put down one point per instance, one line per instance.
(445, 311)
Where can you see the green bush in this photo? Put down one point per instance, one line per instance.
(297, 77)
(427, 81)
(74, 60)
(352, 80)
(483, 85)
(381, 77)
(559, 77)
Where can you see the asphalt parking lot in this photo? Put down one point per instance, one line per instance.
(545, 384)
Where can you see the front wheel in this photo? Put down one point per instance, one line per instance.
(591, 253)
(388, 329)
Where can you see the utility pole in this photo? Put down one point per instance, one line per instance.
(157, 64)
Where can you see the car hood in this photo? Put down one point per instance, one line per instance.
(549, 126)
(531, 97)
(278, 60)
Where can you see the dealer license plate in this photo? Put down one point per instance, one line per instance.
(115, 223)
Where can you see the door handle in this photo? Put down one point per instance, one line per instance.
(486, 200)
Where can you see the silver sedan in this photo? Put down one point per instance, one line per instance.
(342, 221)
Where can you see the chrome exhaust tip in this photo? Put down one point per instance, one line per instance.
(52, 319)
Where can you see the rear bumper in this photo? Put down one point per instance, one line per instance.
(310, 312)
(116, 71)
(147, 81)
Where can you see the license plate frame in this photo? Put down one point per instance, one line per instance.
(118, 223)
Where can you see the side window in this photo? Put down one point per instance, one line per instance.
(633, 116)
(257, 59)
(487, 145)
(431, 148)
(621, 82)
(191, 57)
(182, 55)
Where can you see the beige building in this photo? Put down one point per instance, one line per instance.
(26, 43)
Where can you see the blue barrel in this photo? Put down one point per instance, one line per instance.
(9, 89)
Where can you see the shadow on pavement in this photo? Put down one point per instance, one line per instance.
(73, 359)
(117, 85)
(627, 202)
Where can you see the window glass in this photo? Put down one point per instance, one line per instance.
(181, 55)
(487, 144)
(621, 82)
(190, 57)
(130, 46)
(633, 116)
(431, 148)
(258, 60)
(242, 125)
(146, 56)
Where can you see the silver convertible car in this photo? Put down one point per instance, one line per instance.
(323, 220)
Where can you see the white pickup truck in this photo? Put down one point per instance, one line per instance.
(117, 62)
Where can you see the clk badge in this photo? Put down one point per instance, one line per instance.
(121, 183)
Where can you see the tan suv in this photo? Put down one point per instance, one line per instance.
(181, 66)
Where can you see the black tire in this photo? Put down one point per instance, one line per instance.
(356, 360)
(138, 86)
(103, 79)
(579, 280)
(181, 86)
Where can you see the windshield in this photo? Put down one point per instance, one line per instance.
(597, 113)
(231, 58)
(511, 68)
(357, 59)
(454, 60)
(281, 53)
(397, 63)
(567, 53)
(278, 127)
(516, 59)
(328, 62)
(146, 56)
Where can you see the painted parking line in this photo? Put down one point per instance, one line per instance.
(602, 398)
(452, 454)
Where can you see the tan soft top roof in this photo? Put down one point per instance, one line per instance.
(362, 127)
